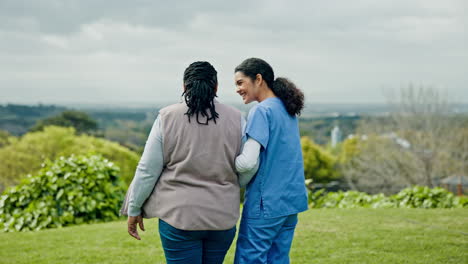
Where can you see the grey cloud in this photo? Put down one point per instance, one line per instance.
(334, 50)
(65, 16)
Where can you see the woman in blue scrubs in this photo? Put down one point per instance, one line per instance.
(276, 193)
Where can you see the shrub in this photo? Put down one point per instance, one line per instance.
(4, 138)
(319, 164)
(69, 191)
(424, 197)
(413, 197)
(24, 155)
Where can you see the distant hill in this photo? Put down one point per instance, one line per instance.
(130, 124)
(17, 119)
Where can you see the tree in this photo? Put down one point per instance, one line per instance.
(319, 165)
(459, 153)
(81, 121)
(346, 150)
(26, 154)
(378, 165)
(410, 146)
(4, 138)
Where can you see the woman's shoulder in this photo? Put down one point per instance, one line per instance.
(259, 110)
(226, 107)
(173, 108)
(267, 106)
(273, 105)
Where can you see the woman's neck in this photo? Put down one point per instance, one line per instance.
(265, 94)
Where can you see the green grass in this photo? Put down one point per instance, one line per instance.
(322, 236)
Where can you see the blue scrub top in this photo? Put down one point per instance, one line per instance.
(278, 188)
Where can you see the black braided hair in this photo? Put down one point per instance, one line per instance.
(291, 96)
(200, 83)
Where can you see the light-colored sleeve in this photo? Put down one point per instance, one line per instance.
(148, 170)
(247, 162)
(243, 124)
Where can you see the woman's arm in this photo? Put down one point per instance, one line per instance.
(148, 170)
(247, 162)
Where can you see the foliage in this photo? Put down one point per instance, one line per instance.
(412, 197)
(81, 121)
(130, 134)
(4, 138)
(379, 164)
(348, 149)
(17, 119)
(350, 199)
(127, 126)
(25, 155)
(425, 197)
(319, 128)
(420, 142)
(73, 190)
(315, 198)
(319, 165)
(130, 127)
(463, 200)
(459, 154)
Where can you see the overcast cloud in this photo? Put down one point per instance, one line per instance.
(96, 51)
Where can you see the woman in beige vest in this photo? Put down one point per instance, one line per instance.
(186, 176)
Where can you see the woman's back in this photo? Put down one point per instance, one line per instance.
(186, 176)
(281, 166)
(198, 188)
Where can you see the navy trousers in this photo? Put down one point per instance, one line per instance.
(195, 247)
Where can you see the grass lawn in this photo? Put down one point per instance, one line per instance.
(322, 236)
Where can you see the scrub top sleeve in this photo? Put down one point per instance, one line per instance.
(258, 126)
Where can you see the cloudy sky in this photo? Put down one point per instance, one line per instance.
(99, 51)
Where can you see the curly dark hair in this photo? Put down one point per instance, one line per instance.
(200, 80)
(291, 96)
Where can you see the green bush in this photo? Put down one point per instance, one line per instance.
(5, 138)
(69, 191)
(24, 155)
(349, 199)
(463, 200)
(319, 164)
(413, 197)
(424, 197)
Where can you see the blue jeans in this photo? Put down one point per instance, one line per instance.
(195, 247)
(265, 240)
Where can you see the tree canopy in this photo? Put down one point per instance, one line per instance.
(25, 155)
